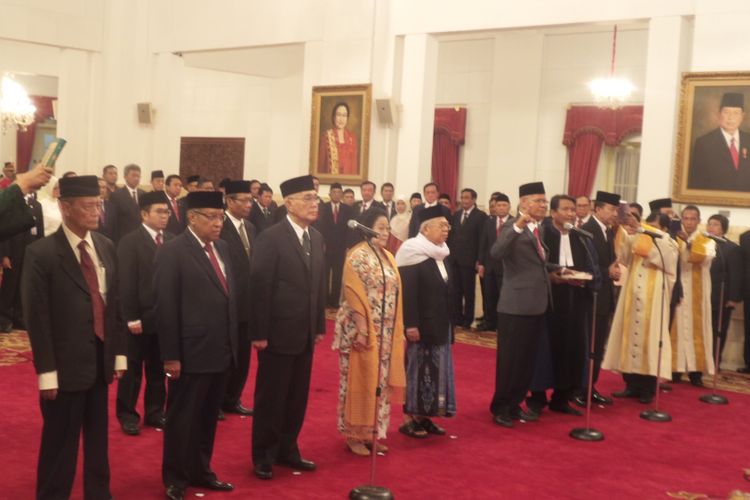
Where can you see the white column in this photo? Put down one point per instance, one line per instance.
(73, 111)
(417, 118)
(668, 55)
(167, 100)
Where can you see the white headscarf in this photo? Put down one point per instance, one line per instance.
(419, 249)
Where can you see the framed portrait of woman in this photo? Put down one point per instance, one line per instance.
(340, 133)
(712, 164)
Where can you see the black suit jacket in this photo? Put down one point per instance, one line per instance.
(427, 301)
(727, 267)
(414, 222)
(240, 264)
(196, 321)
(605, 255)
(58, 314)
(175, 226)
(711, 165)
(135, 254)
(464, 238)
(385, 209)
(126, 211)
(16, 216)
(487, 238)
(334, 235)
(288, 299)
(260, 221)
(109, 227)
(374, 204)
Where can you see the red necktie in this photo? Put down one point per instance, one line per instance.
(735, 155)
(335, 214)
(158, 240)
(97, 303)
(539, 248)
(217, 268)
(174, 209)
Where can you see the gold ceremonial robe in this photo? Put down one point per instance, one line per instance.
(642, 314)
(692, 334)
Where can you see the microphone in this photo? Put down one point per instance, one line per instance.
(353, 224)
(715, 238)
(582, 232)
(648, 232)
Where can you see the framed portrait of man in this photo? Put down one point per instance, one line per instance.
(712, 164)
(340, 133)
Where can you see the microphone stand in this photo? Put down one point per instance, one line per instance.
(713, 398)
(654, 415)
(370, 490)
(587, 433)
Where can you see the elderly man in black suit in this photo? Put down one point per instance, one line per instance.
(332, 220)
(69, 291)
(288, 296)
(490, 269)
(125, 202)
(135, 254)
(464, 238)
(524, 300)
(196, 319)
(600, 226)
(239, 233)
(107, 214)
(720, 158)
(173, 188)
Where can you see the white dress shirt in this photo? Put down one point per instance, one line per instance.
(213, 247)
(298, 230)
(728, 138)
(566, 253)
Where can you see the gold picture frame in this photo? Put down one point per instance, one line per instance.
(706, 171)
(340, 133)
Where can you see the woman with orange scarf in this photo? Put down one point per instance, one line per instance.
(358, 339)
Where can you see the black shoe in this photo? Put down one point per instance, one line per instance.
(239, 410)
(130, 428)
(175, 493)
(158, 422)
(6, 327)
(221, 416)
(566, 409)
(298, 464)
(626, 393)
(503, 420)
(579, 401)
(645, 399)
(216, 485)
(263, 471)
(599, 399)
(525, 416)
(696, 379)
(676, 377)
(744, 370)
(431, 427)
(413, 429)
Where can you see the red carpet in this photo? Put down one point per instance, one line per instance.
(703, 450)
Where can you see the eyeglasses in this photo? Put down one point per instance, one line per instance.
(210, 218)
(308, 198)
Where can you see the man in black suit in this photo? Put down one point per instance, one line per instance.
(389, 204)
(196, 320)
(177, 215)
(726, 278)
(239, 233)
(368, 201)
(720, 158)
(135, 254)
(600, 226)
(263, 217)
(524, 302)
(125, 202)
(332, 220)
(12, 253)
(431, 192)
(107, 215)
(745, 249)
(69, 291)
(467, 223)
(157, 180)
(490, 269)
(288, 296)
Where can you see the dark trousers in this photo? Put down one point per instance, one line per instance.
(746, 305)
(64, 419)
(143, 354)
(238, 373)
(282, 385)
(517, 344)
(193, 404)
(721, 332)
(568, 326)
(603, 322)
(642, 385)
(334, 271)
(464, 293)
(10, 293)
(490, 296)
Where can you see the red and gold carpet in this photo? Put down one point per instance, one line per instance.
(701, 454)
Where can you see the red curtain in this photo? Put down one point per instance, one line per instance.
(25, 140)
(448, 136)
(587, 128)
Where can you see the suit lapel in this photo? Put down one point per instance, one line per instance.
(294, 241)
(199, 254)
(104, 261)
(68, 260)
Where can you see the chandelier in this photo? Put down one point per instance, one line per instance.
(16, 109)
(611, 91)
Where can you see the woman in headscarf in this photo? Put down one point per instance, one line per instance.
(399, 225)
(358, 339)
(430, 390)
(48, 196)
